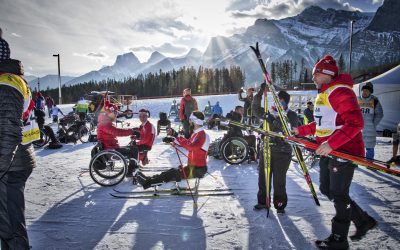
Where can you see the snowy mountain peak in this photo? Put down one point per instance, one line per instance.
(155, 57)
(127, 60)
(194, 53)
(387, 17)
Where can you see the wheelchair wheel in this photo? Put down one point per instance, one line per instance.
(43, 141)
(309, 158)
(108, 168)
(84, 134)
(235, 150)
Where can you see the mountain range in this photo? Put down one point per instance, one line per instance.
(308, 36)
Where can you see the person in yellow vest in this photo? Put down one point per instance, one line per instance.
(372, 113)
(82, 108)
(337, 126)
(17, 130)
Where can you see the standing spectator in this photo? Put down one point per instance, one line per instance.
(54, 113)
(49, 104)
(309, 113)
(187, 106)
(82, 108)
(256, 109)
(4, 48)
(217, 110)
(247, 102)
(337, 126)
(281, 156)
(17, 130)
(39, 102)
(396, 138)
(372, 113)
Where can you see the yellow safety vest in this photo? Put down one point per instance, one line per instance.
(324, 114)
(367, 106)
(30, 130)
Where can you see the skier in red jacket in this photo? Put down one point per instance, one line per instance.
(107, 134)
(197, 145)
(337, 126)
(147, 135)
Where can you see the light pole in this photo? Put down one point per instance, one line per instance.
(59, 79)
(351, 43)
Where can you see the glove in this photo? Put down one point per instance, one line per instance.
(241, 90)
(168, 139)
(263, 85)
(136, 133)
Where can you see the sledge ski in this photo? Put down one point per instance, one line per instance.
(166, 194)
(311, 145)
(172, 190)
(285, 122)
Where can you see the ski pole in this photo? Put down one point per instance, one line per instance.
(184, 175)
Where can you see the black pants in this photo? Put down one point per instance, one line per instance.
(280, 162)
(130, 152)
(335, 181)
(187, 129)
(176, 174)
(13, 233)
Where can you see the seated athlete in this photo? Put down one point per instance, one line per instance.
(197, 145)
(107, 134)
(147, 135)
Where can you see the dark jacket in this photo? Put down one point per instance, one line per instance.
(247, 103)
(12, 152)
(278, 144)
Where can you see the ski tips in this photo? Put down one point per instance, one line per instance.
(255, 49)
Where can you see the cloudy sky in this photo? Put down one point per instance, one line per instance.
(89, 34)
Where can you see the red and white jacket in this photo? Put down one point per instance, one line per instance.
(338, 117)
(107, 133)
(197, 145)
(147, 134)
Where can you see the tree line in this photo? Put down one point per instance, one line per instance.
(171, 83)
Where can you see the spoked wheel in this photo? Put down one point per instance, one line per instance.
(108, 168)
(235, 150)
(84, 134)
(309, 157)
(44, 139)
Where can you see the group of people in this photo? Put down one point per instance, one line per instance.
(340, 125)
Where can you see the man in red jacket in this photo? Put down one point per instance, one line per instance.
(147, 135)
(107, 134)
(187, 106)
(337, 126)
(197, 145)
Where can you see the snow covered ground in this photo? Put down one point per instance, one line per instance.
(65, 209)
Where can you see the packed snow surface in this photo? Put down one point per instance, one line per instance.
(65, 209)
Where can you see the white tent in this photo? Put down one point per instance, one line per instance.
(387, 89)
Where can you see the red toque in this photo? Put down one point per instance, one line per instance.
(109, 107)
(326, 66)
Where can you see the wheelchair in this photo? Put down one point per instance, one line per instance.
(236, 150)
(109, 167)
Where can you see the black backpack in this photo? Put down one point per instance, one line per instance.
(189, 107)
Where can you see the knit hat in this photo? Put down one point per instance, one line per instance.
(197, 117)
(110, 108)
(4, 50)
(326, 66)
(368, 86)
(285, 96)
(144, 111)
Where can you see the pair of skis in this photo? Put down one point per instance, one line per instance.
(162, 193)
(312, 146)
(285, 123)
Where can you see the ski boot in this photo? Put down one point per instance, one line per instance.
(362, 230)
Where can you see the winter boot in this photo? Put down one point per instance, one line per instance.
(362, 230)
(338, 239)
(258, 207)
(143, 180)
